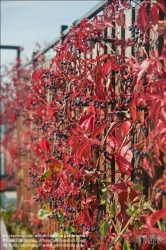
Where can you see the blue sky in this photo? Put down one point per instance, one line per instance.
(25, 23)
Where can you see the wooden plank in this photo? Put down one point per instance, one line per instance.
(164, 205)
(128, 33)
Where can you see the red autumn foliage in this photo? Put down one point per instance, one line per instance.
(79, 126)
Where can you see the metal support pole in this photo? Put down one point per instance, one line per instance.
(18, 48)
(62, 29)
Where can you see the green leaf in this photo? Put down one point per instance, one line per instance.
(164, 226)
(69, 230)
(103, 202)
(137, 187)
(112, 209)
(104, 190)
(20, 173)
(146, 205)
(128, 211)
(43, 214)
(56, 236)
(126, 246)
(136, 199)
(45, 175)
(104, 226)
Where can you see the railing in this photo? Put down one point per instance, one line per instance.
(90, 14)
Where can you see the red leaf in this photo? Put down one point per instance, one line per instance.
(160, 27)
(164, 50)
(122, 131)
(119, 187)
(147, 168)
(113, 142)
(145, 246)
(154, 13)
(86, 215)
(92, 201)
(37, 75)
(123, 195)
(105, 57)
(122, 216)
(132, 107)
(98, 75)
(41, 110)
(153, 218)
(95, 239)
(82, 217)
(120, 20)
(155, 54)
(103, 247)
(124, 161)
(95, 141)
(117, 246)
(87, 122)
(13, 117)
(13, 150)
(161, 247)
(101, 45)
(9, 169)
(125, 152)
(20, 214)
(99, 130)
(31, 202)
(54, 164)
(149, 230)
(107, 67)
(129, 42)
(44, 144)
(84, 22)
(64, 161)
(92, 109)
(125, 3)
(144, 66)
(155, 112)
(109, 24)
(2, 184)
(162, 115)
(123, 165)
(82, 149)
(37, 117)
(99, 91)
(142, 19)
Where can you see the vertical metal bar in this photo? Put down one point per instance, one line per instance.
(134, 14)
(62, 29)
(18, 62)
(134, 156)
(135, 171)
(18, 56)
